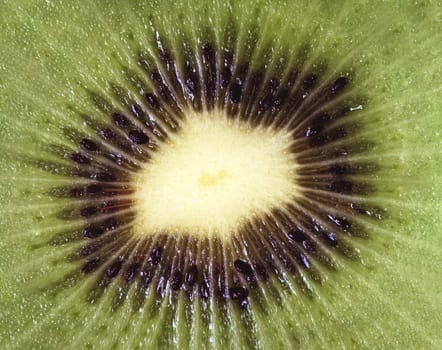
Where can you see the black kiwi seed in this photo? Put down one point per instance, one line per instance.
(110, 224)
(114, 269)
(89, 145)
(91, 265)
(155, 256)
(341, 186)
(265, 249)
(177, 280)
(152, 101)
(137, 111)
(338, 85)
(107, 134)
(297, 235)
(105, 176)
(93, 189)
(236, 91)
(76, 192)
(138, 137)
(89, 211)
(243, 267)
(191, 276)
(121, 120)
(132, 271)
(146, 277)
(261, 271)
(239, 294)
(92, 231)
(80, 158)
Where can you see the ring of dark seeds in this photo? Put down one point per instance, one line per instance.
(290, 242)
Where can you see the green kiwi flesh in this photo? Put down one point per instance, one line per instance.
(63, 65)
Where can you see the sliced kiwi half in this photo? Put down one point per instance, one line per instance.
(220, 175)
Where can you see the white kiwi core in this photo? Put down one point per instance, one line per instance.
(213, 176)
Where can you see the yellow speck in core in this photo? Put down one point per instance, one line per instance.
(212, 176)
(213, 179)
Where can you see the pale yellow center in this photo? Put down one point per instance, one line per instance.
(213, 176)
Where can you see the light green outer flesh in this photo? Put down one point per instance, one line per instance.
(393, 300)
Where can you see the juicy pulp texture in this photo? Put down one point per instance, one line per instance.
(52, 53)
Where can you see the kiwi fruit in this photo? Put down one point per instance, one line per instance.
(221, 175)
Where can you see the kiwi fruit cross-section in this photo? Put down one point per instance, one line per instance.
(221, 175)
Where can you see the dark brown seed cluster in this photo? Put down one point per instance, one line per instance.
(286, 246)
